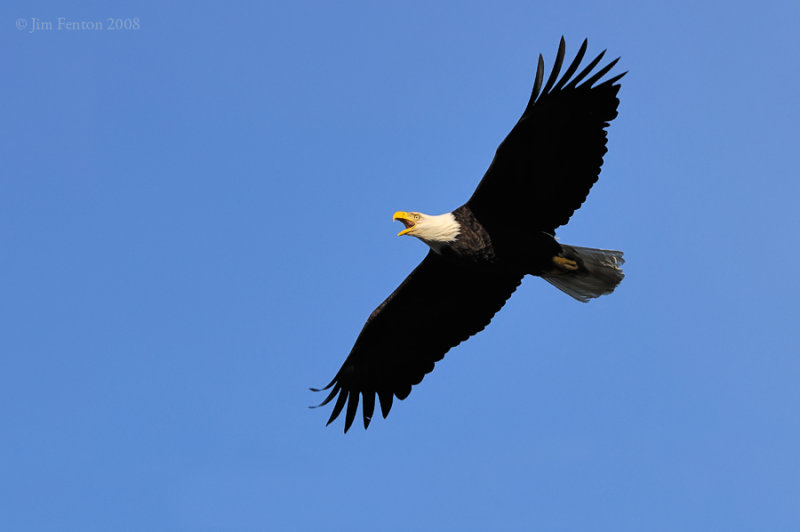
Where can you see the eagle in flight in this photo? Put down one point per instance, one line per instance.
(479, 253)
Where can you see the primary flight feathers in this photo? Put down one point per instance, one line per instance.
(479, 253)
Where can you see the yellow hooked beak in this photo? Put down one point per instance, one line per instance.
(407, 219)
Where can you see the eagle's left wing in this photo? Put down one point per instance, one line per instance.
(543, 170)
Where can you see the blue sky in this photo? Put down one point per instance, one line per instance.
(195, 221)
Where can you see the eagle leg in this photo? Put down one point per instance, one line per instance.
(565, 264)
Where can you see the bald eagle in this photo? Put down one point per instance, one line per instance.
(479, 253)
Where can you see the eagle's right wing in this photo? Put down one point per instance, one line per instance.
(438, 306)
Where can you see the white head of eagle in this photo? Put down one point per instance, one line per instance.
(435, 230)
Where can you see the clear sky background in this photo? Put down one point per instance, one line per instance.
(195, 221)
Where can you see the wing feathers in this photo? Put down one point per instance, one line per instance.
(573, 66)
(330, 396)
(337, 408)
(369, 406)
(352, 408)
(386, 398)
(610, 82)
(537, 85)
(405, 390)
(600, 73)
(545, 167)
(577, 79)
(438, 306)
(556, 66)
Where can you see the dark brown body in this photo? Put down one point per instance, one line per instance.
(521, 254)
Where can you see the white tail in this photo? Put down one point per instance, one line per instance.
(599, 272)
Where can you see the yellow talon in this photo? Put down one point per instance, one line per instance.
(565, 264)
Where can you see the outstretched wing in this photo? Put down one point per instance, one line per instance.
(438, 306)
(543, 170)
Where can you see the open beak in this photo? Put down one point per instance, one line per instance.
(407, 219)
